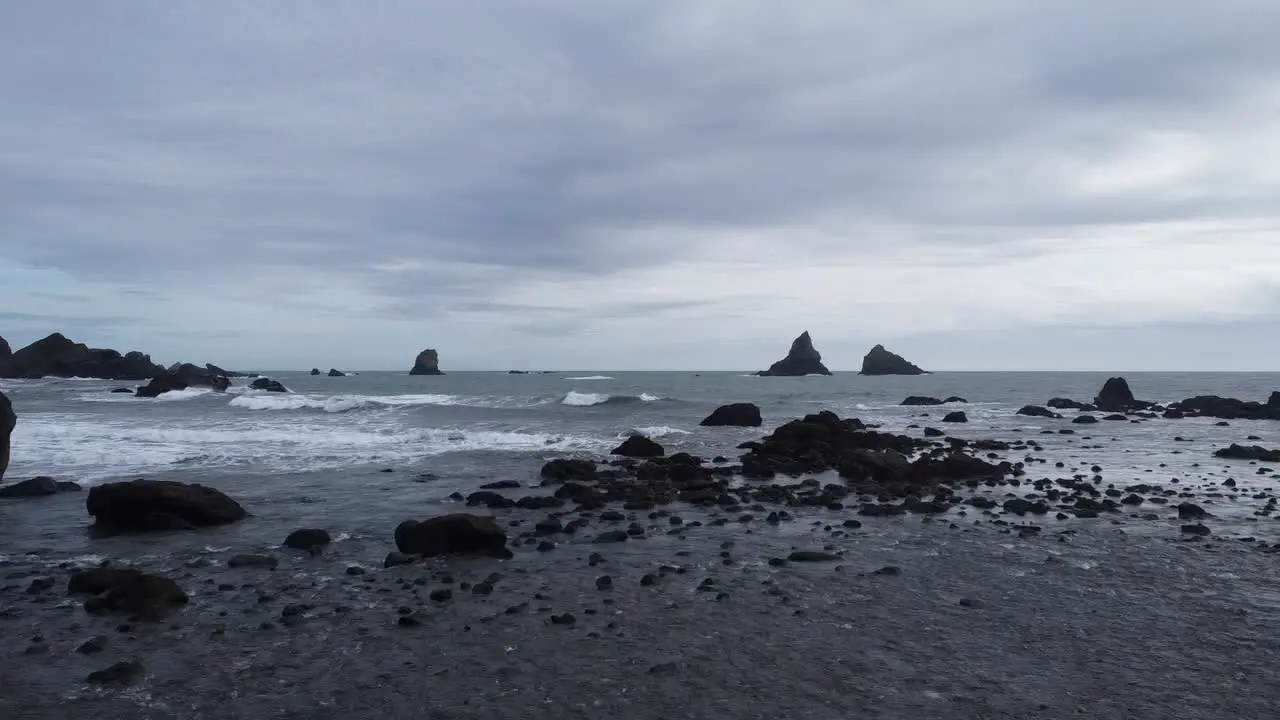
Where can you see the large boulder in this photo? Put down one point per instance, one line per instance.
(427, 363)
(562, 470)
(734, 415)
(803, 359)
(8, 421)
(126, 591)
(268, 385)
(880, 361)
(155, 505)
(57, 356)
(457, 534)
(1115, 396)
(639, 446)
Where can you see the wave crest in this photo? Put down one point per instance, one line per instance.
(581, 399)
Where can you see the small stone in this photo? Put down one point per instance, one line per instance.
(95, 644)
(812, 556)
(122, 673)
(604, 582)
(441, 595)
(413, 620)
(565, 619)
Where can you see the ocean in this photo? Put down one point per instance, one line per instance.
(976, 619)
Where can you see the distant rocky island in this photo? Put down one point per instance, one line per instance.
(880, 361)
(427, 363)
(57, 356)
(803, 359)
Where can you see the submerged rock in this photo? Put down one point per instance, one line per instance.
(126, 591)
(121, 673)
(802, 359)
(427, 363)
(922, 401)
(456, 534)
(880, 361)
(37, 487)
(734, 415)
(307, 538)
(156, 505)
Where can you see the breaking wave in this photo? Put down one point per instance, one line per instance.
(580, 399)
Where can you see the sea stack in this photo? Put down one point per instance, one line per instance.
(1116, 397)
(6, 352)
(882, 362)
(56, 356)
(428, 363)
(803, 359)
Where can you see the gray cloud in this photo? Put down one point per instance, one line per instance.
(406, 160)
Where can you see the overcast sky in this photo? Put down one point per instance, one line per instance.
(988, 184)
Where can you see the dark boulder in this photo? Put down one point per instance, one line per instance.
(307, 538)
(802, 359)
(880, 361)
(5, 351)
(735, 415)
(561, 470)
(56, 356)
(427, 363)
(1226, 408)
(457, 534)
(119, 674)
(639, 446)
(315, 371)
(180, 377)
(955, 416)
(126, 591)
(1085, 420)
(160, 385)
(8, 421)
(1037, 411)
(921, 401)
(1248, 452)
(155, 505)
(268, 385)
(37, 487)
(1059, 403)
(956, 399)
(1115, 396)
(1274, 400)
(334, 372)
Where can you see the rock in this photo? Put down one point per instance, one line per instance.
(1274, 400)
(921, 400)
(334, 372)
(933, 432)
(154, 505)
(427, 363)
(1037, 411)
(315, 371)
(264, 562)
(395, 559)
(215, 370)
(812, 556)
(613, 536)
(5, 351)
(441, 595)
(36, 487)
(1085, 420)
(604, 582)
(180, 377)
(123, 391)
(1191, 511)
(456, 534)
(502, 485)
(126, 591)
(1198, 530)
(561, 470)
(1226, 408)
(56, 356)
(639, 446)
(802, 359)
(956, 399)
(955, 416)
(734, 415)
(1235, 452)
(268, 385)
(39, 585)
(307, 538)
(880, 361)
(1068, 404)
(1115, 396)
(93, 645)
(122, 673)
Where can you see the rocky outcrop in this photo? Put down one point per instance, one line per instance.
(8, 421)
(334, 372)
(215, 370)
(639, 446)
(37, 487)
(880, 361)
(1225, 408)
(457, 534)
(126, 591)
(156, 505)
(734, 415)
(803, 359)
(1274, 400)
(1248, 452)
(315, 371)
(1060, 403)
(56, 356)
(1115, 396)
(268, 385)
(182, 376)
(1037, 411)
(427, 363)
(6, 352)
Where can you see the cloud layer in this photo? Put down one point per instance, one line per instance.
(648, 185)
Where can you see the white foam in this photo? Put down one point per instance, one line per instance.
(578, 399)
(646, 397)
(177, 395)
(590, 377)
(660, 431)
(290, 401)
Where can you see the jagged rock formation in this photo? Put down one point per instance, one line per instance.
(427, 363)
(180, 377)
(803, 359)
(5, 351)
(1115, 396)
(882, 362)
(1274, 400)
(56, 356)
(334, 372)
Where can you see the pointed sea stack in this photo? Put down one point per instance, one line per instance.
(315, 371)
(1115, 396)
(428, 363)
(882, 362)
(5, 351)
(1274, 400)
(803, 359)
